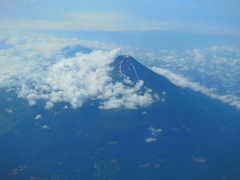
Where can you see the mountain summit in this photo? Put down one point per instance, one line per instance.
(127, 66)
(126, 69)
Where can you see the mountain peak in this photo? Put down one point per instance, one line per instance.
(126, 66)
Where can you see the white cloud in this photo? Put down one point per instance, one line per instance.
(213, 71)
(150, 139)
(118, 95)
(45, 127)
(65, 107)
(184, 82)
(72, 80)
(9, 110)
(49, 105)
(38, 117)
(145, 113)
(30, 63)
(25, 53)
(198, 55)
(154, 131)
(216, 67)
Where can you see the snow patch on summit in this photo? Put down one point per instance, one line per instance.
(134, 70)
(120, 68)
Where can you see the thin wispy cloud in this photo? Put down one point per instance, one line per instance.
(186, 83)
(122, 16)
(29, 1)
(109, 22)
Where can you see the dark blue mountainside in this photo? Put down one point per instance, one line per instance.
(184, 135)
(180, 101)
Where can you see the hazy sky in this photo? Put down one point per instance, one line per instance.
(199, 16)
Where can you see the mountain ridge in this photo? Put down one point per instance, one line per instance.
(126, 66)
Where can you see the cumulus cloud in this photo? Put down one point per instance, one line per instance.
(145, 113)
(72, 80)
(45, 127)
(38, 117)
(118, 95)
(154, 132)
(24, 53)
(150, 139)
(37, 69)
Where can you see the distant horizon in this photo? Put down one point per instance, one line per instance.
(207, 17)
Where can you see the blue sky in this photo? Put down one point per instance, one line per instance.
(204, 17)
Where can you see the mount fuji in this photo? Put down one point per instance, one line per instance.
(180, 134)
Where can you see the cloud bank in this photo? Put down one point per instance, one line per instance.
(23, 53)
(184, 82)
(77, 80)
(29, 60)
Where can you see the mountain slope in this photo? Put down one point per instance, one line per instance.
(181, 100)
(182, 135)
